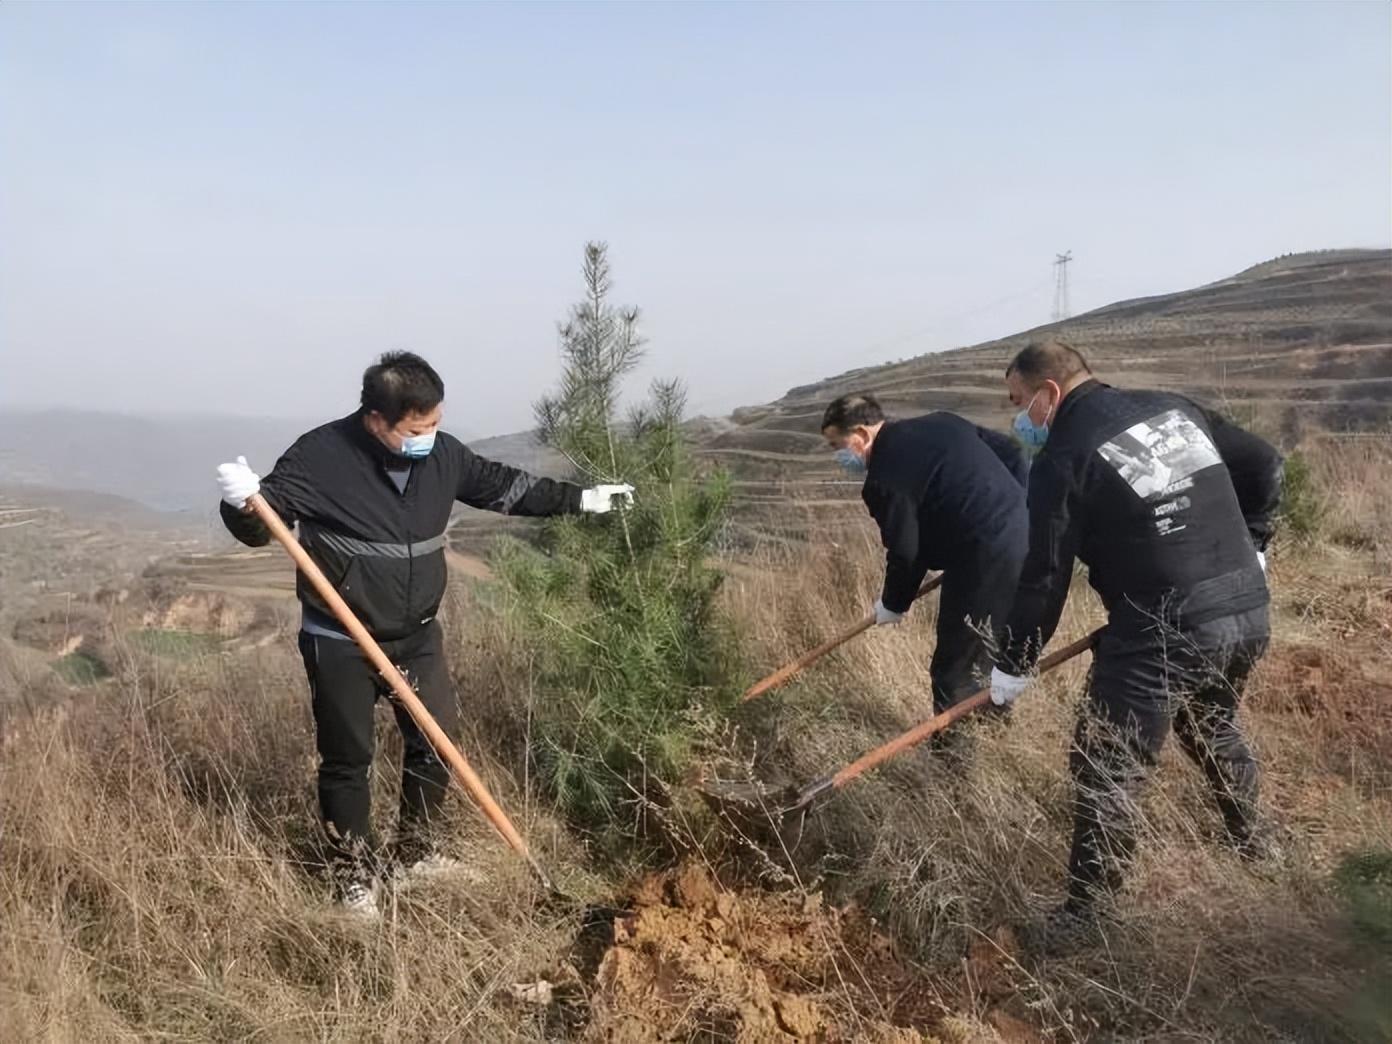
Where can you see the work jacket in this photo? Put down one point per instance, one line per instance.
(383, 547)
(1165, 502)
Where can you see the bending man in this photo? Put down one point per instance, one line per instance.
(946, 495)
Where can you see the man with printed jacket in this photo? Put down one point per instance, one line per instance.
(1171, 509)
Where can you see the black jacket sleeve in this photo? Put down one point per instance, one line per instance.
(492, 486)
(1048, 570)
(286, 489)
(897, 517)
(1009, 452)
(1255, 466)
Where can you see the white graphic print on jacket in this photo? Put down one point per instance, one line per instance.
(1158, 459)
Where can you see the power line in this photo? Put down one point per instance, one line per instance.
(940, 320)
(1061, 306)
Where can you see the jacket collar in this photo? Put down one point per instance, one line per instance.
(1073, 398)
(886, 428)
(362, 438)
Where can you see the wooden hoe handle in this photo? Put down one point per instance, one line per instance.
(787, 673)
(923, 730)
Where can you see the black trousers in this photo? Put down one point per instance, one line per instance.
(344, 689)
(977, 590)
(1145, 681)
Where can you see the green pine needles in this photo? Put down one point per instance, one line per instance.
(631, 656)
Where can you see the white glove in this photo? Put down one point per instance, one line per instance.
(601, 499)
(886, 616)
(1006, 688)
(1261, 560)
(238, 483)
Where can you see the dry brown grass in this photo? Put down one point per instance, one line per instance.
(157, 843)
(157, 838)
(1355, 474)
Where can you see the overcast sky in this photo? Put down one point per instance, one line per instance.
(231, 208)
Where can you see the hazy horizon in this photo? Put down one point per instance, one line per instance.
(231, 209)
(172, 414)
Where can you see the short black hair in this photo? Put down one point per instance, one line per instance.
(852, 411)
(1049, 360)
(399, 384)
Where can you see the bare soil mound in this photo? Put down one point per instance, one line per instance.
(693, 960)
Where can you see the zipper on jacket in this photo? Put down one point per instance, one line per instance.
(404, 532)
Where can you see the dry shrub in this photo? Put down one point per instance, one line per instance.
(1350, 480)
(25, 679)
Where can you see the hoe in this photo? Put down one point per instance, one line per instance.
(755, 796)
(786, 674)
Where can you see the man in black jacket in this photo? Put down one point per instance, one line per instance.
(372, 494)
(946, 495)
(1171, 508)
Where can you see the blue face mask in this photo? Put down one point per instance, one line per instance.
(1032, 435)
(417, 446)
(851, 461)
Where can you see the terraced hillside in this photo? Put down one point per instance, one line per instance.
(1296, 344)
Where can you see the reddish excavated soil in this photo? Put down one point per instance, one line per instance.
(696, 961)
